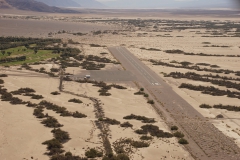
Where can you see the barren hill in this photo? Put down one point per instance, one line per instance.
(60, 3)
(32, 5)
(90, 3)
(4, 4)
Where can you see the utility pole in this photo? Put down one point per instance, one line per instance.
(61, 73)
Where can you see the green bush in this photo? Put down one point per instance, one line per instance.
(183, 141)
(178, 134)
(174, 128)
(146, 95)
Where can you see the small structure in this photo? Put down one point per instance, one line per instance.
(87, 76)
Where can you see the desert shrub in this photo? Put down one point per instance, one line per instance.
(126, 125)
(139, 144)
(54, 70)
(3, 75)
(30, 104)
(109, 121)
(205, 106)
(118, 86)
(154, 131)
(38, 112)
(66, 114)
(146, 138)
(1, 81)
(23, 90)
(219, 116)
(16, 100)
(105, 94)
(120, 156)
(211, 90)
(174, 128)
(51, 122)
(214, 66)
(93, 153)
(74, 100)
(67, 156)
(143, 119)
(207, 78)
(146, 95)
(139, 93)
(78, 115)
(178, 134)
(150, 102)
(34, 96)
(183, 141)
(54, 147)
(61, 136)
(6, 96)
(55, 93)
(103, 53)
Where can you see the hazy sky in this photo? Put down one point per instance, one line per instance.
(168, 3)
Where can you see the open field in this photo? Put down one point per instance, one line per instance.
(181, 49)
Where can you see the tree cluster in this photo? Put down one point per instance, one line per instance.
(197, 77)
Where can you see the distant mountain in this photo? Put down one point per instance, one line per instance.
(32, 5)
(60, 3)
(90, 3)
(4, 4)
(171, 3)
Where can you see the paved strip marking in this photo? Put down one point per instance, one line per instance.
(138, 66)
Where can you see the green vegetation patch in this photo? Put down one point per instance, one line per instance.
(31, 55)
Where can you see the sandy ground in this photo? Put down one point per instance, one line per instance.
(83, 132)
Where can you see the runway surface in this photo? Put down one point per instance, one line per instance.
(206, 142)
